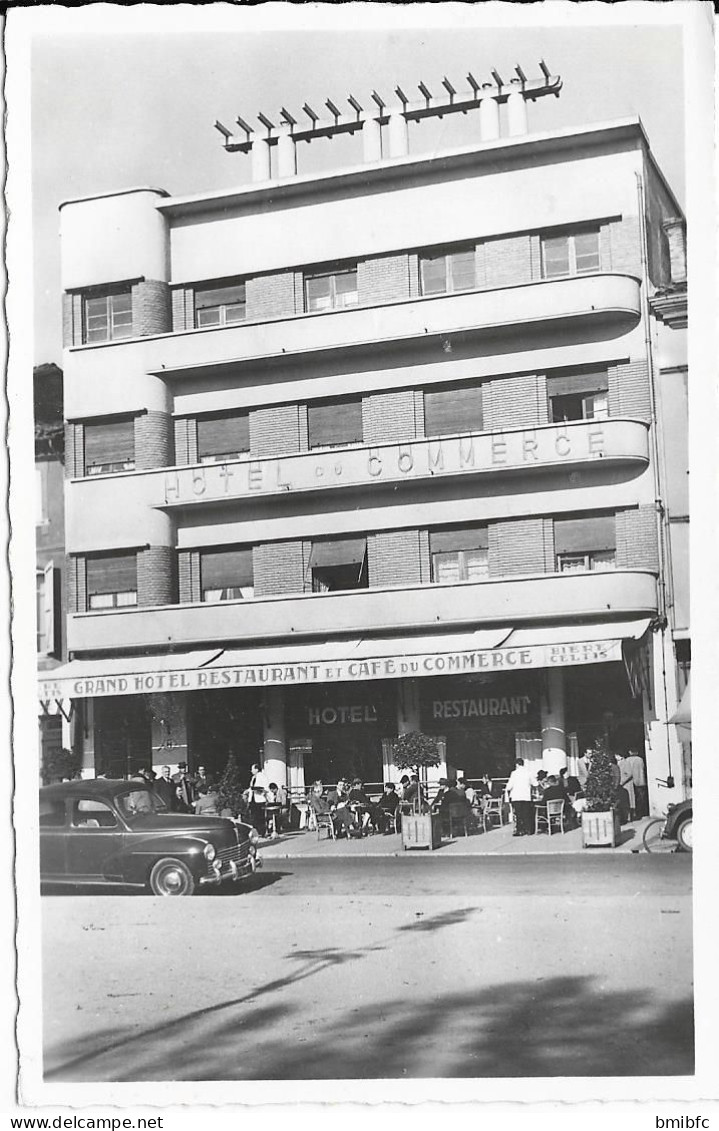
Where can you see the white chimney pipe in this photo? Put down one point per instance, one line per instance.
(488, 117)
(516, 114)
(286, 154)
(260, 155)
(372, 140)
(398, 135)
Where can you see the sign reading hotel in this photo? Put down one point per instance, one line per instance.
(334, 671)
(453, 455)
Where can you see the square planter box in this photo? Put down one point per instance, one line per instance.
(600, 829)
(423, 830)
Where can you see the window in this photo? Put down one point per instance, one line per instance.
(331, 290)
(108, 316)
(226, 575)
(45, 609)
(220, 306)
(578, 396)
(445, 272)
(570, 254)
(111, 581)
(91, 814)
(338, 563)
(223, 437)
(110, 446)
(335, 423)
(452, 408)
(40, 495)
(459, 554)
(585, 543)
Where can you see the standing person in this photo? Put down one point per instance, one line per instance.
(183, 785)
(165, 788)
(414, 794)
(259, 784)
(583, 763)
(519, 791)
(387, 807)
(639, 777)
(200, 778)
(403, 787)
(626, 782)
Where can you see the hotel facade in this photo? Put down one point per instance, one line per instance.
(382, 449)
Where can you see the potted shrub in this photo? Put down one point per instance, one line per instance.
(416, 752)
(230, 792)
(58, 765)
(600, 819)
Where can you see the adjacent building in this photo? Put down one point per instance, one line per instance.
(379, 449)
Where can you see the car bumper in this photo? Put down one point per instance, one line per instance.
(233, 870)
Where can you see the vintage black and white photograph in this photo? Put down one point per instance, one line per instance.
(360, 408)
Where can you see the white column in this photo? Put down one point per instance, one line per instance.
(260, 157)
(516, 114)
(274, 745)
(372, 140)
(398, 135)
(488, 118)
(86, 736)
(554, 737)
(286, 155)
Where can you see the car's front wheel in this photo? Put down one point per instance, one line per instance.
(685, 836)
(171, 877)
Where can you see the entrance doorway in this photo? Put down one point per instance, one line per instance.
(123, 735)
(223, 722)
(344, 754)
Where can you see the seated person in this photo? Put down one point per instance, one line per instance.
(387, 808)
(205, 804)
(554, 790)
(361, 805)
(338, 803)
(439, 800)
(469, 792)
(403, 787)
(539, 785)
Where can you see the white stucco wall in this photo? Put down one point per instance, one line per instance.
(109, 239)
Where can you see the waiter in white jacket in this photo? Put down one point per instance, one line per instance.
(518, 790)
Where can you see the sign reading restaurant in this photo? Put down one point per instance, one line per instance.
(452, 455)
(334, 671)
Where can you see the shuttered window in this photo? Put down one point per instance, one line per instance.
(571, 253)
(445, 272)
(459, 554)
(225, 436)
(338, 563)
(585, 542)
(452, 408)
(220, 306)
(227, 575)
(110, 446)
(578, 396)
(111, 580)
(107, 315)
(335, 423)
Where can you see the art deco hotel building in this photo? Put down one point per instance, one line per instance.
(380, 449)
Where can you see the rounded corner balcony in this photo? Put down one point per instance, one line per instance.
(528, 455)
(604, 302)
(537, 598)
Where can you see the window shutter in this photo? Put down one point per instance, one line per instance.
(434, 274)
(226, 433)
(219, 296)
(463, 270)
(335, 422)
(114, 573)
(48, 626)
(467, 538)
(452, 408)
(110, 442)
(575, 383)
(338, 551)
(224, 569)
(583, 534)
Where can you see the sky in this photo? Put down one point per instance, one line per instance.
(115, 110)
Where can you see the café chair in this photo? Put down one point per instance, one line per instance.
(324, 823)
(493, 810)
(457, 817)
(550, 814)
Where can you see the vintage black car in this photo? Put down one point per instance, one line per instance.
(121, 832)
(678, 825)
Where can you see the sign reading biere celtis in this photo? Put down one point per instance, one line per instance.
(452, 455)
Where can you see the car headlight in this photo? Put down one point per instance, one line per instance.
(254, 836)
(210, 852)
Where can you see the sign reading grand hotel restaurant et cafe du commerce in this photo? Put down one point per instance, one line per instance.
(452, 455)
(335, 671)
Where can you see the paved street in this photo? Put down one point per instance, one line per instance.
(564, 965)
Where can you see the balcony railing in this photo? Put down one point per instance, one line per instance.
(598, 444)
(542, 598)
(582, 300)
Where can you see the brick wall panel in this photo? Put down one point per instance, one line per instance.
(279, 567)
(515, 402)
(508, 262)
(154, 440)
(185, 439)
(74, 450)
(75, 583)
(156, 576)
(519, 546)
(276, 430)
(413, 268)
(625, 245)
(389, 416)
(629, 390)
(383, 279)
(272, 296)
(188, 577)
(183, 309)
(637, 545)
(151, 308)
(394, 558)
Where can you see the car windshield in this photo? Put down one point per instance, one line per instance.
(140, 802)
